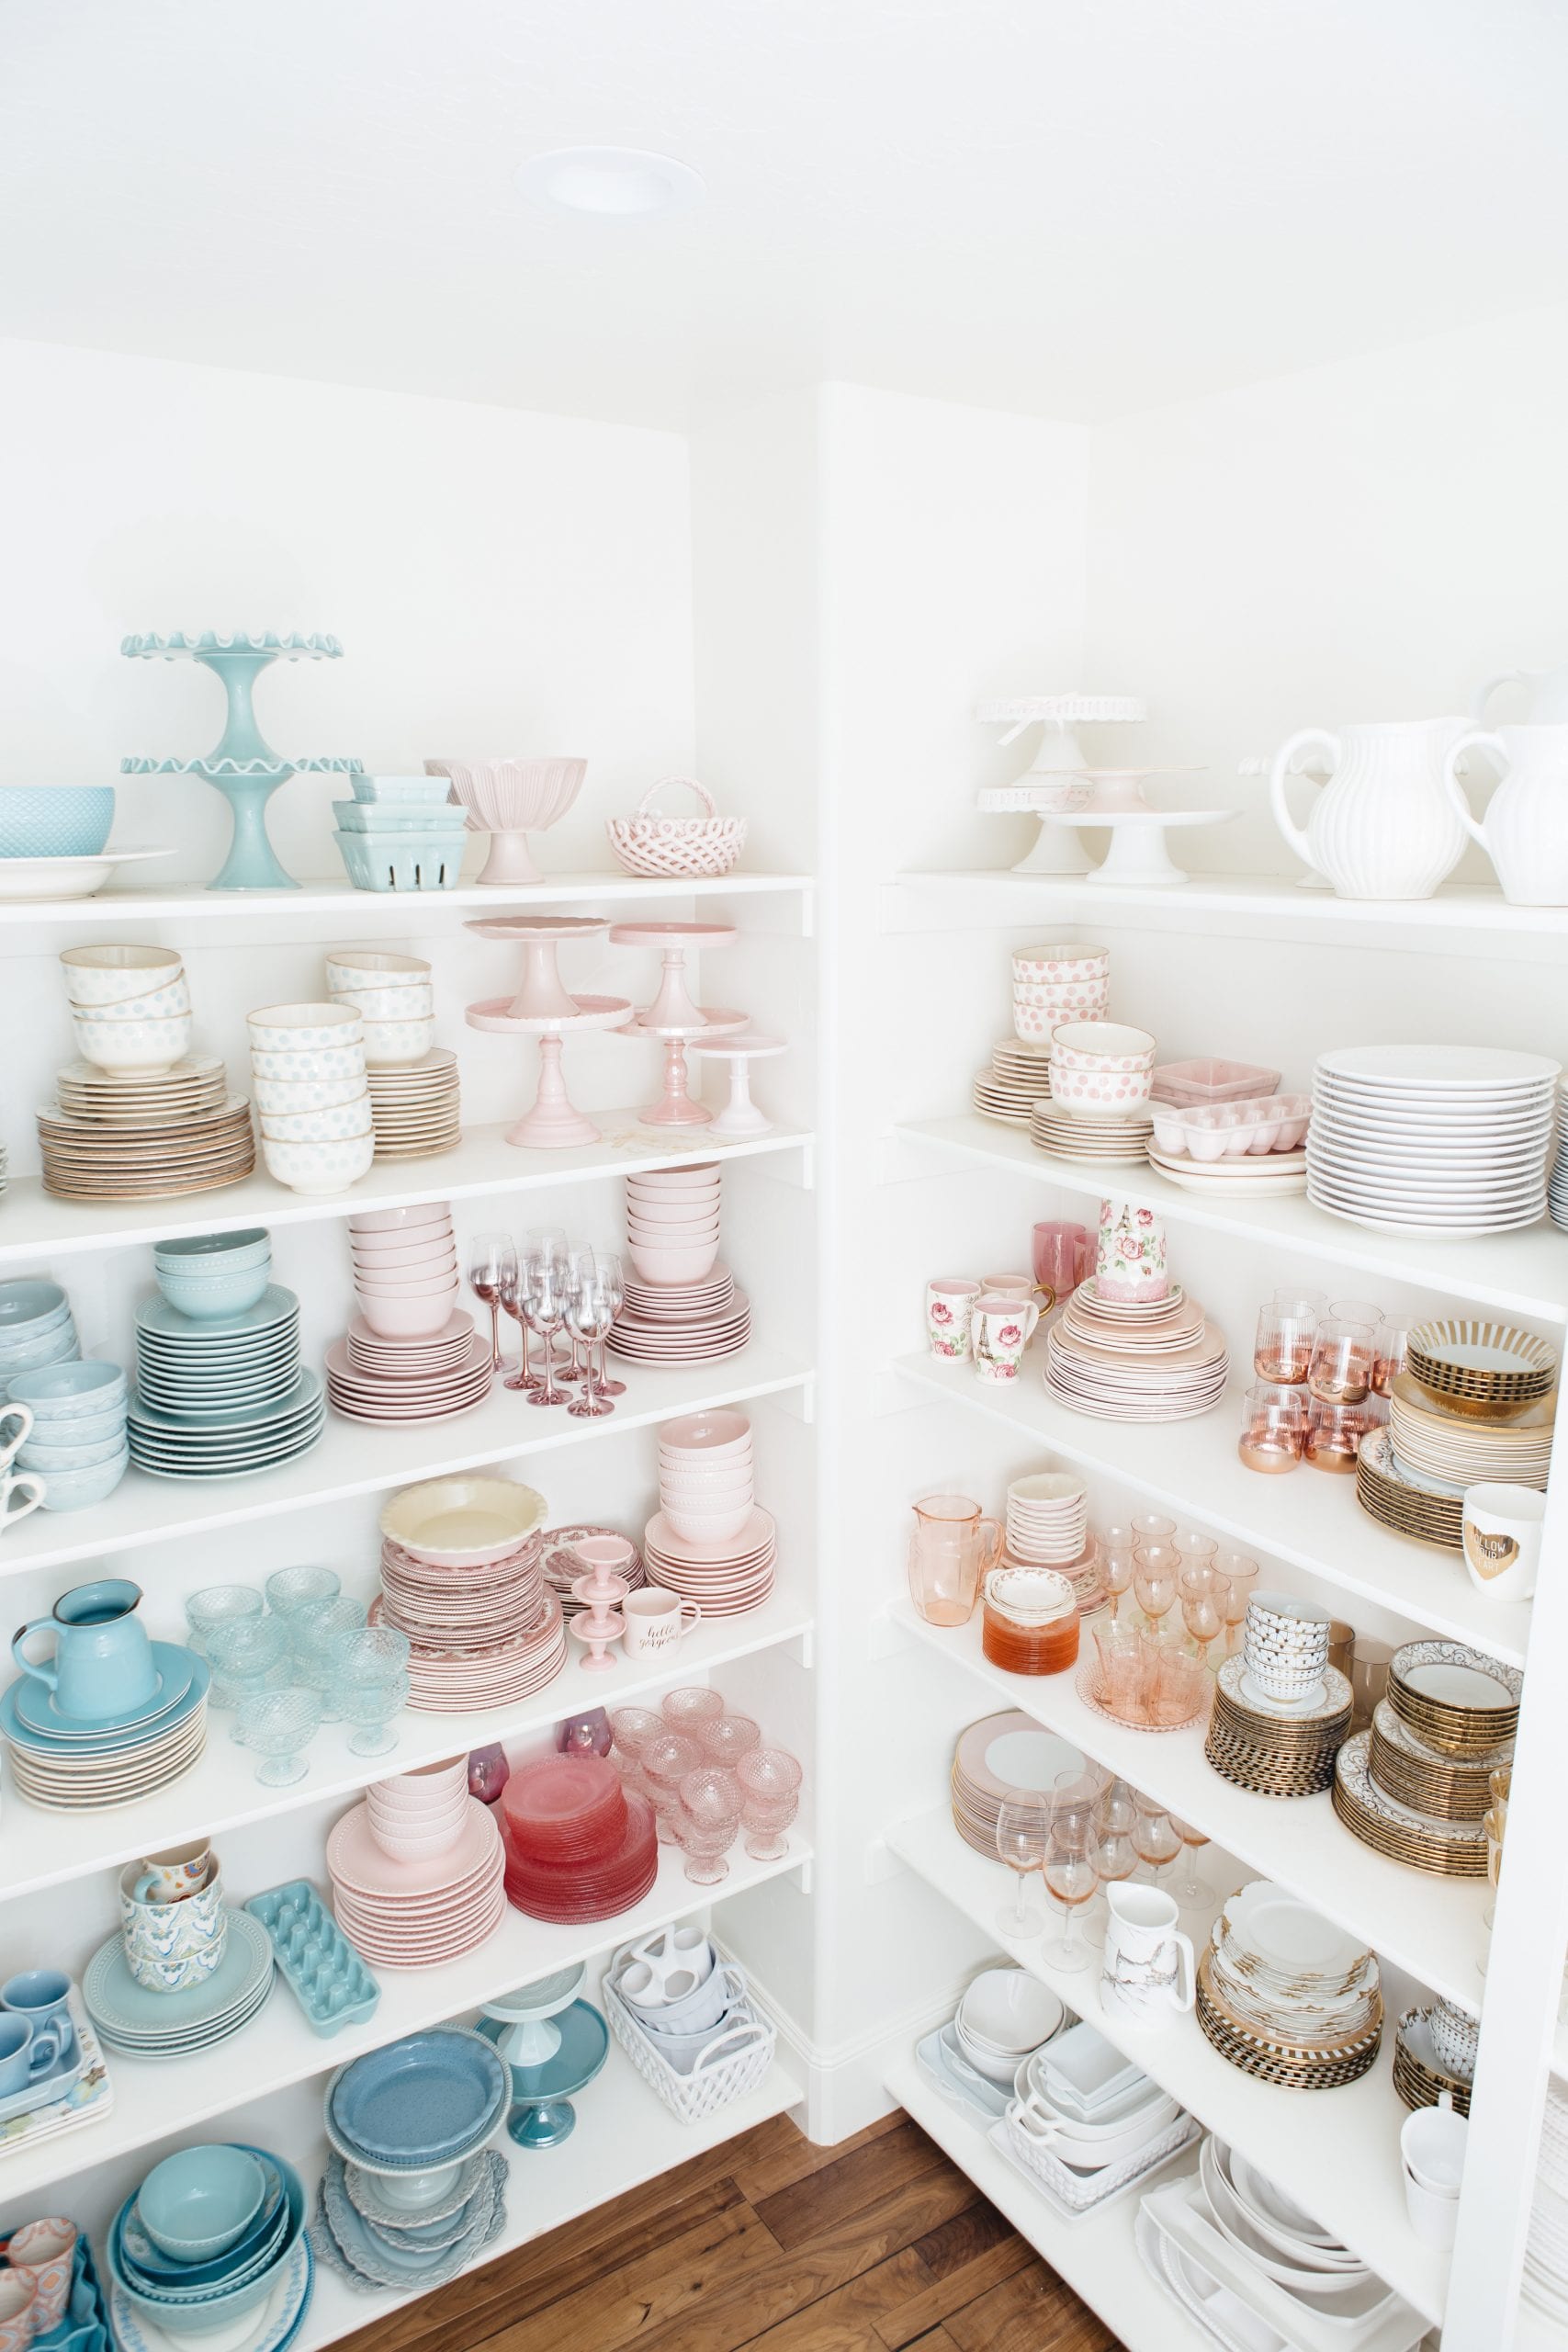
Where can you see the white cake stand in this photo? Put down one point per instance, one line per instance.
(552, 1122)
(1138, 857)
(543, 992)
(741, 1115)
(1058, 767)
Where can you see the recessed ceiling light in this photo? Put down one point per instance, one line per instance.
(615, 182)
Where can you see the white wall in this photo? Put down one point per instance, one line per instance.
(1366, 540)
(500, 582)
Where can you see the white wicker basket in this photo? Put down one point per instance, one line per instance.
(733, 2064)
(648, 843)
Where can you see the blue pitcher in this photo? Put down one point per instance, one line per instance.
(103, 1665)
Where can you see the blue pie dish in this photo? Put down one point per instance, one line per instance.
(424, 2100)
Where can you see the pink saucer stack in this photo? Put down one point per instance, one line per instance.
(709, 1541)
(411, 1353)
(562, 1568)
(418, 1869)
(695, 1322)
(673, 1218)
(578, 1845)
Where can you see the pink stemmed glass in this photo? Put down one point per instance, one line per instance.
(691, 1707)
(1116, 1568)
(544, 1285)
(1149, 1527)
(612, 1283)
(1201, 1610)
(1239, 1578)
(667, 1759)
(633, 1728)
(1155, 1839)
(1156, 1569)
(1023, 1835)
(587, 1317)
(770, 1799)
(725, 1739)
(510, 1293)
(709, 1817)
(1192, 1892)
(488, 1253)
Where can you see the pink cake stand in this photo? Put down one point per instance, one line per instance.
(542, 994)
(675, 1107)
(672, 1009)
(741, 1115)
(552, 1123)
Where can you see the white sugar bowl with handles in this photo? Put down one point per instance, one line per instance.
(1525, 830)
(1383, 826)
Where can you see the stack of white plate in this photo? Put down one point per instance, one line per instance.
(1047, 1519)
(416, 1108)
(1465, 1449)
(1546, 2251)
(1557, 1198)
(1439, 1139)
(1067, 1137)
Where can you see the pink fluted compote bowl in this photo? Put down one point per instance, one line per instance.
(510, 799)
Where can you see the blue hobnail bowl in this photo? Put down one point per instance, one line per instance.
(88, 1453)
(62, 1393)
(78, 1489)
(55, 819)
(194, 2206)
(214, 1297)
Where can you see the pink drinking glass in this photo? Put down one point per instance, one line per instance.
(1239, 1579)
(1116, 1568)
(1344, 1358)
(1334, 1435)
(1273, 1427)
(1063, 1255)
(770, 1799)
(1393, 1353)
(1283, 1349)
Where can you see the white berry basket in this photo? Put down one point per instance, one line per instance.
(649, 842)
(734, 2061)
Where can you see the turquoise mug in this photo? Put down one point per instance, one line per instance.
(25, 2053)
(103, 1665)
(42, 1996)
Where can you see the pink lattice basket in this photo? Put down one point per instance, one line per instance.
(646, 842)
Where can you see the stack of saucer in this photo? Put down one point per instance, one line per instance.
(562, 1568)
(1287, 1997)
(415, 1108)
(1557, 1192)
(37, 1328)
(217, 1399)
(685, 1322)
(1047, 1519)
(372, 1377)
(72, 1765)
(1405, 1499)
(1019, 1077)
(1125, 1141)
(1000, 1752)
(1137, 1362)
(1450, 1718)
(1419, 2075)
(1274, 1748)
(673, 1224)
(144, 1136)
(416, 1869)
(1406, 1768)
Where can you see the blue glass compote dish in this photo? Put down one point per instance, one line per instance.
(244, 766)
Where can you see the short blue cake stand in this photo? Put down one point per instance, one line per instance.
(244, 767)
(542, 2115)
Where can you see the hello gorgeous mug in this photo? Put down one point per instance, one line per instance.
(656, 1619)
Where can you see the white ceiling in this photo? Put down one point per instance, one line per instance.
(1074, 208)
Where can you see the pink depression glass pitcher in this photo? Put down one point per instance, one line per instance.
(951, 1549)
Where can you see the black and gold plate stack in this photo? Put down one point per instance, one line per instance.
(1397, 1497)
(1418, 2076)
(1257, 1746)
(1452, 1788)
(1298, 2065)
(1480, 1368)
(1422, 1841)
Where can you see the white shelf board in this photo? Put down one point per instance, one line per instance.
(334, 896)
(1458, 909)
(1522, 1274)
(222, 1792)
(1308, 1517)
(356, 1458)
(1096, 2254)
(1336, 2151)
(153, 2100)
(33, 1224)
(1428, 1926)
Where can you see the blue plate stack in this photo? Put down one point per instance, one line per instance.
(212, 2234)
(77, 1443)
(399, 833)
(411, 2193)
(221, 1397)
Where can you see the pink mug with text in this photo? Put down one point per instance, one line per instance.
(950, 1301)
(656, 1619)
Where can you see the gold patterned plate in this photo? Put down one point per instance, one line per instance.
(1417, 2078)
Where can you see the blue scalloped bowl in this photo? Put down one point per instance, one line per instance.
(55, 819)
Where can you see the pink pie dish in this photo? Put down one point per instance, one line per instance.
(461, 1522)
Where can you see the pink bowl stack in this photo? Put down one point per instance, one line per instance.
(418, 1869)
(709, 1541)
(411, 1353)
(673, 1220)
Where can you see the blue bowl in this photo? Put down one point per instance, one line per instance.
(213, 1253)
(85, 1390)
(215, 1297)
(78, 1429)
(79, 1489)
(55, 819)
(222, 2305)
(196, 2204)
(86, 1453)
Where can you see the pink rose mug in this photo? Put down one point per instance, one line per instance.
(950, 1302)
(1130, 1262)
(1000, 1331)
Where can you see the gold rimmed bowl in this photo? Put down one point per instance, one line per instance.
(1478, 1367)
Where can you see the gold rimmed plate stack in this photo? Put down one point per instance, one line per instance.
(1017, 1077)
(1398, 1498)
(1466, 1448)
(1477, 1367)
(139, 1098)
(1000, 1752)
(1286, 1996)
(1451, 1788)
(1257, 1746)
(1289, 2065)
(1455, 1698)
(96, 1160)
(1417, 2078)
(1421, 1841)
(1120, 1142)
(416, 1108)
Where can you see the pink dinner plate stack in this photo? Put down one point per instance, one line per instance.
(418, 1870)
(693, 1322)
(562, 1568)
(578, 1845)
(724, 1579)
(411, 1353)
(462, 1575)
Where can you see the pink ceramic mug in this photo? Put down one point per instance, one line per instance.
(950, 1302)
(1000, 1331)
(657, 1619)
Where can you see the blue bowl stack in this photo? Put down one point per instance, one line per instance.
(78, 1444)
(400, 833)
(212, 2234)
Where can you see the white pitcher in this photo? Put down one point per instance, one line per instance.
(1546, 694)
(1525, 830)
(1148, 1975)
(1384, 826)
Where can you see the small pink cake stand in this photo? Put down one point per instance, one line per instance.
(552, 1123)
(672, 1009)
(741, 1115)
(542, 994)
(598, 1623)
(675, 1107)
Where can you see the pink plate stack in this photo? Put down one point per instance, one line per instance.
(562, 1568)
(578, 1845)
(672, 1219)
(411, 1352)
(709, 1541)
(683, 1322)
(462, 1575)
(417, 1870)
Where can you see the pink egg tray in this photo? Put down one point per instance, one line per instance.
(1233, 1130)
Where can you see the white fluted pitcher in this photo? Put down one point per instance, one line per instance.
(1525, 830)
(1384, 826)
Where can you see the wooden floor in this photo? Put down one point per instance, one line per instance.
(879, 2244)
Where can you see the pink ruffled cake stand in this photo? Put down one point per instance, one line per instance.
(553, 1121)
(673, 1017)
(542, 993)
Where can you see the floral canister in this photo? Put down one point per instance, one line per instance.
(1130, 1262)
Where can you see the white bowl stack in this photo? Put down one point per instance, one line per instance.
(672, 1223)
(130, 1006)
(308, 1064)
(1058, 982)
(1047, 1519)
(394, 998)
(706, 1475)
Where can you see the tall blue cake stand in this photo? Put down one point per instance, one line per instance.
(542, 2114)
(244, 767)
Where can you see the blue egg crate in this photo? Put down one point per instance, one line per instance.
(403, 861)
(322, 1969)
(84, 2323)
